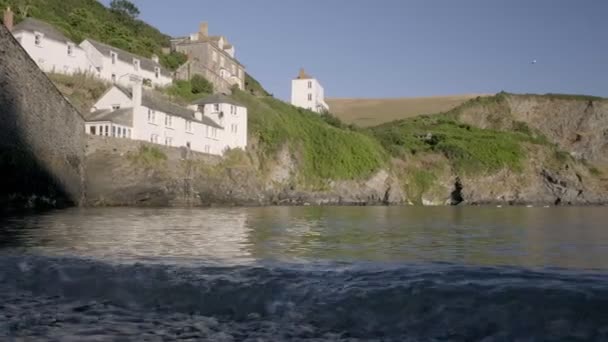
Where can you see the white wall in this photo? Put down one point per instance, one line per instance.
(108, 129)
(52, 55)
(234, 122)
(121, 69)
(113, 97)
(301, 88)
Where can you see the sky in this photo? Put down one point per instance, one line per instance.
(404, 48)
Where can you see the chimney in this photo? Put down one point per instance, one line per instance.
(136, 89)
(8, 18)
(203, 30)
(155, 58)
(303, 75)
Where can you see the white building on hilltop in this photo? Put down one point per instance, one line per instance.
(218, 123)
(55, 53)
(49, 48)
(307, 92)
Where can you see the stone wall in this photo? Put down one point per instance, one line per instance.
(42, 134)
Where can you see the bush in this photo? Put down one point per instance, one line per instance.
(200, 85)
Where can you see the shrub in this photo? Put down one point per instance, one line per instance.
(200, 85)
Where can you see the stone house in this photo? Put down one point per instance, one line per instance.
(212, 57)
(210, 125)
(307, 92)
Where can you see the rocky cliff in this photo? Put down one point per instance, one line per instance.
(560, 145)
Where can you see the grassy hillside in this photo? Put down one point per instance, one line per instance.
(323, 151)
(80, 19)
(372, 112)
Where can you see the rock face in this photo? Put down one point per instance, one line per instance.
(42, 140)
(123, 172)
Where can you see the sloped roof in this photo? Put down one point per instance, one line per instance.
(122, 116)
(125, 56)
(156, 101)
(35, 25)
(217, 98)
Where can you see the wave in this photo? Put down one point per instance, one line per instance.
(296, 302)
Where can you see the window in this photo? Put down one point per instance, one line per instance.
(116, 107)
(309, 97)
(309, 84)
(216, 107)
(168, 141)
(38, 39)
(233, 128)
(214, 132)
(113, 56)
(188, 144)
(136, 64)
(113, 131)
(157, 72)
(113, 78)
(188, 126)
(107, 130)
(70, 49)
(207, 149)
(92, 130)
(154, 138)
(168, 120)
(124, 132)
(151, 116)
(222, 61)
(232, 109)
(207, 131)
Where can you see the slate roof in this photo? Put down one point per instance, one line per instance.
(216, 98)
(125, 56)
(155, 101)
(122, 116)
(35, 25)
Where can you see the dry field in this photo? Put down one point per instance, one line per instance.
(371, 112)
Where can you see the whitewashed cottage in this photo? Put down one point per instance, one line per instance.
(116, 65)
(307, 92)
(52, 51)
(211, 125)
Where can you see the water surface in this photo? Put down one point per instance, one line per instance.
(306, 273)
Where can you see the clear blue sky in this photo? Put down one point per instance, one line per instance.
(394, 48)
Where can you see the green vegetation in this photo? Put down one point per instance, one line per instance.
(148, 156)
(469, 149)
(117, 26)
(324, 152)
(419, 182)
(82, 90)
(184, 92)
(253, 87)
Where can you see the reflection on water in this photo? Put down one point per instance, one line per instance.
(531, 237)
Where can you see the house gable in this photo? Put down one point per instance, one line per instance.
(112, 98)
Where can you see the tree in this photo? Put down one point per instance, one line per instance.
(125, 7)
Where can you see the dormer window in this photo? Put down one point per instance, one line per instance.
(157, 72)
(38, 39)
(113, 56)
(70, 49)
(136, 64)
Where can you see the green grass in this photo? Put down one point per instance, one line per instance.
(148, 156)
(81, 90)
(253, 87)
(324, 152)
(469, 149)
(419, 182)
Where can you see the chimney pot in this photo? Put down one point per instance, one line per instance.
(9, 18)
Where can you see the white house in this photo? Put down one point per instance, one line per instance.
(49, 48)
(141, 114)
(307, 92)
(116, 65)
